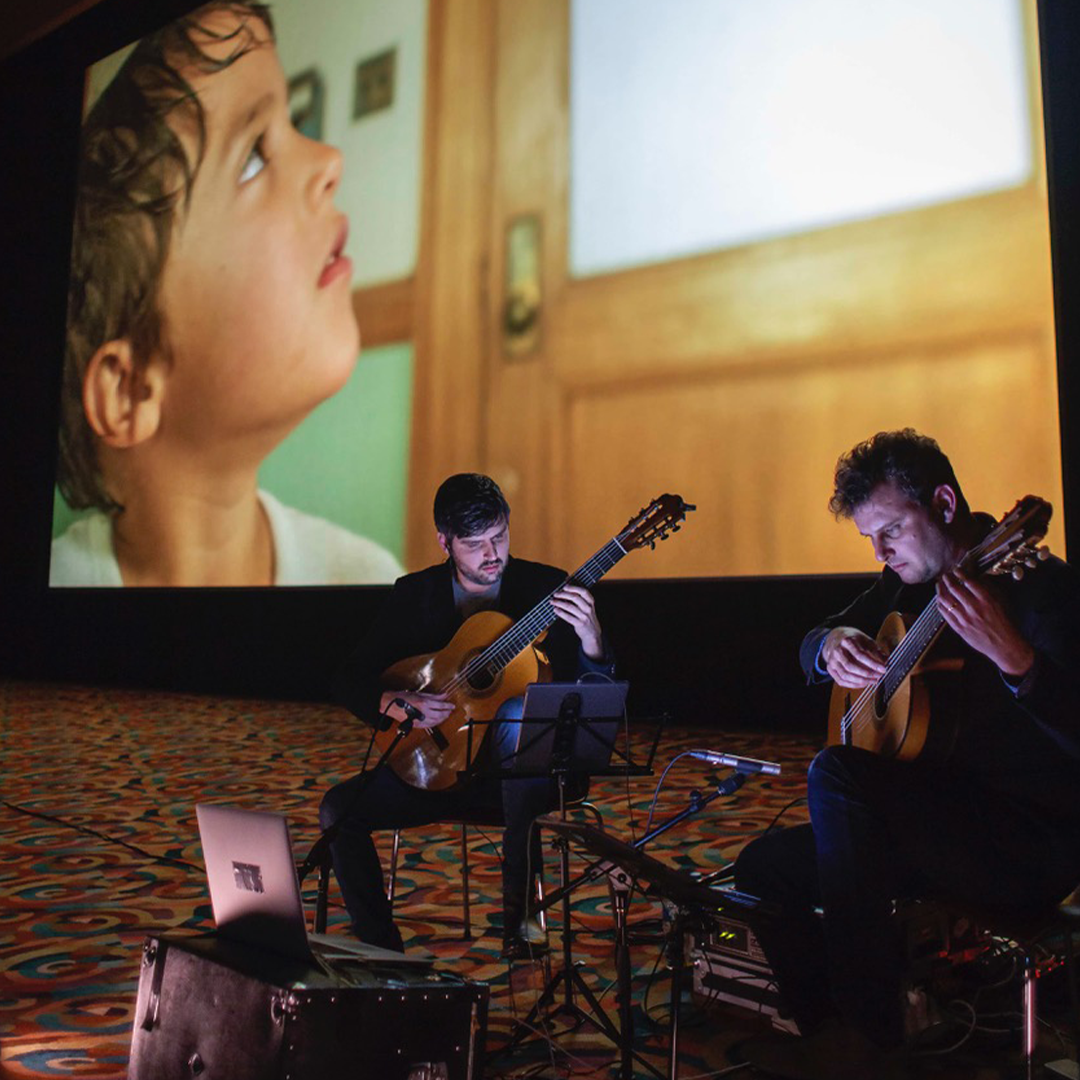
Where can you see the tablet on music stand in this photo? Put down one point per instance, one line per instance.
(597, 708)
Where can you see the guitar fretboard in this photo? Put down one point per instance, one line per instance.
(527, 629)
(916, 641)
(920, 636)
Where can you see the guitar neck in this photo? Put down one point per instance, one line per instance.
(924, 631)
(528, 628)
(921, 635)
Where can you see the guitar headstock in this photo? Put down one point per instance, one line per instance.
(1013, 543)
(654, 522)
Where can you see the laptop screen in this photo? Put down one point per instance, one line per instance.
(256, 897)
(253, 889)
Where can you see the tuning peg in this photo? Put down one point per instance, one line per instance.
(652, 545)
(675, 528)
(1043, 553)
(1018, 573)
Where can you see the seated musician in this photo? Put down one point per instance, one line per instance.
(421, 615)
(994, 824)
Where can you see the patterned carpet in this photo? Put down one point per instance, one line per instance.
(99, 848)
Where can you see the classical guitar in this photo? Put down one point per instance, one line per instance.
(892, 716)
(491, 659)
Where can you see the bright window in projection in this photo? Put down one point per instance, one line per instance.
(711, 123)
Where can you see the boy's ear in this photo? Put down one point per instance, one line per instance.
(121, 398)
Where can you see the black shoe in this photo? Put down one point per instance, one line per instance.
(528, 939)
(387, 938)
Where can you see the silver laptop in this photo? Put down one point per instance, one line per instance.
(255, 895)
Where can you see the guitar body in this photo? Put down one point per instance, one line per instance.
(492, 659)
(900, 727)
(432, 758)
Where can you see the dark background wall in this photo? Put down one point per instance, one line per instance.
(714, 652)
(711, 652)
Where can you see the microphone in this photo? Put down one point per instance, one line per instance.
(733, 761)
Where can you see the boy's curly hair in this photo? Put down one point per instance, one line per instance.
(913, 462)
(133, 173)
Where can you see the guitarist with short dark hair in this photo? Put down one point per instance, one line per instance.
(988, 813)
(422, 614)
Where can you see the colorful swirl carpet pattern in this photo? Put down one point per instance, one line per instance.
(99, 848)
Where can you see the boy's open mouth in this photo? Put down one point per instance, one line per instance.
(337, 263)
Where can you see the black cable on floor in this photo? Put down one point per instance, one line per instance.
(87, 831)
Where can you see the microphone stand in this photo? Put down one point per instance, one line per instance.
(319, 855)
(697, 802)
(676, 951)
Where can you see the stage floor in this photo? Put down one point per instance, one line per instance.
(99, 848)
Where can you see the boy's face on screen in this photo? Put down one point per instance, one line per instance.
(256, 290)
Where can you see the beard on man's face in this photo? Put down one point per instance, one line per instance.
(486, 574)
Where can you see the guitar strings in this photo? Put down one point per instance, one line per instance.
(918, 637)
(513, 640)
(505, 648)
(517, 637)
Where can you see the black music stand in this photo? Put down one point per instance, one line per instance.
(569, 730)
(576, 721)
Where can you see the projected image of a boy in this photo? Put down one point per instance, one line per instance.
(209, 313)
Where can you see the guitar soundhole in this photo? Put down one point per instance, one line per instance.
(881, 703)
(482, 681)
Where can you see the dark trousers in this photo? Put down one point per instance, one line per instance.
(879, 830)
(382, 801)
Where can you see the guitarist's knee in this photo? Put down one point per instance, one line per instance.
(779, 866)
(329, 809)
(506, 737)
(755, 868)
(342, 799)
(849, 771)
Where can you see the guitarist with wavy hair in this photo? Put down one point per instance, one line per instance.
(993, 819)
(421, 615)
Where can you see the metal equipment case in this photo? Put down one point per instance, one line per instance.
(211, 1008)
